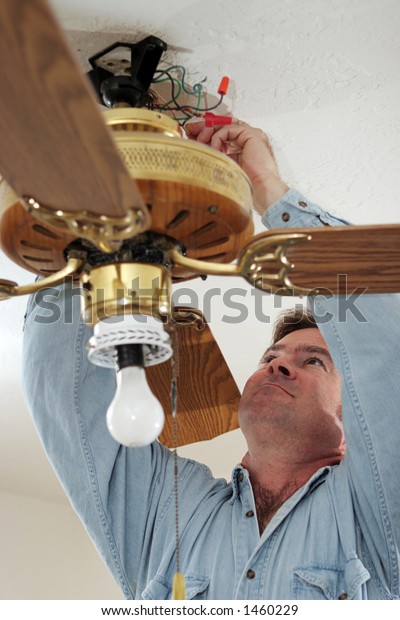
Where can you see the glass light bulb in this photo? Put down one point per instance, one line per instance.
(135, 417)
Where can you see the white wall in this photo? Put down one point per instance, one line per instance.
(46, 554)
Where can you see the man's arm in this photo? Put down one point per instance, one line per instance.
(121, 494)
(250, 148)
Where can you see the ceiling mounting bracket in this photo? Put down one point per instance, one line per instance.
(131, 89)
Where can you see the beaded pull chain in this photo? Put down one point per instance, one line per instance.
(178, 583)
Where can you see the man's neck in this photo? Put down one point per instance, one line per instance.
(274, 480)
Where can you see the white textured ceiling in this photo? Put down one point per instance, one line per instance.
(320, 77)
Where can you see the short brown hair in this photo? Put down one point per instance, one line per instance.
(292, 320)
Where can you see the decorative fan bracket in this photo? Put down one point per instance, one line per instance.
(105, 232)
(263, 263)
(9, 289)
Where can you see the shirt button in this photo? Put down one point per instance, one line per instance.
(302, 203)
(343, 596)
(250, 574)
(285, 217)
(250, 513)
(240, 477)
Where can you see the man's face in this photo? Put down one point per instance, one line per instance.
(294, 395)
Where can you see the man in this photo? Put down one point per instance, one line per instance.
(303, 517)
(290, 414)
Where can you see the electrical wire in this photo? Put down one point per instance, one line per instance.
(178, 87)
(174, 99)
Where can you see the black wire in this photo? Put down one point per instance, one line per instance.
(210, 108)
(182, 108)
(178, 107)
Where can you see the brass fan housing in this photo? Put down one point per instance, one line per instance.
(195, 195)
(125, 288)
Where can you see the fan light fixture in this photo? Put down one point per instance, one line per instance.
(200, 204)
(135, 417)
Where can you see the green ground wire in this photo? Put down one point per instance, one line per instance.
(196, 90)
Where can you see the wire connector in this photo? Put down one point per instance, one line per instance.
(211, 119)
(223, 85)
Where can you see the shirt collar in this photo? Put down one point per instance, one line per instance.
(240, 477)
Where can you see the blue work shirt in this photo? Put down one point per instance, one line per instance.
(336, 537)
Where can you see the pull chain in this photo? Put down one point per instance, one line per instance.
(178, 585)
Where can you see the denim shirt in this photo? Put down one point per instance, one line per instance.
(336, 537)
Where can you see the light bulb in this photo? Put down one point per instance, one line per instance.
(135, 417)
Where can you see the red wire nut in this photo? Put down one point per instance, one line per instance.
(223, 85)
(214, 119)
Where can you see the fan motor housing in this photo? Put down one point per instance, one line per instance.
(195, 195)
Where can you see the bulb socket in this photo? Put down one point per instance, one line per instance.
(130, 355)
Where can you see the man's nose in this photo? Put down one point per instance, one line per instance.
(281, 367)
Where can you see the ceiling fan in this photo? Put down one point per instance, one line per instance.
(120, 203)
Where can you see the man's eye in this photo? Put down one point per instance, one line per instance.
(267, 359)
(315, 361)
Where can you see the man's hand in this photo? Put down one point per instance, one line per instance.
(250, 148)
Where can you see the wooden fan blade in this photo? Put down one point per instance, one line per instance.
(340, 259)
(208, 396)
(55, 146)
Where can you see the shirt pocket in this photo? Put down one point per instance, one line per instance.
(330, 582)
(160, 588)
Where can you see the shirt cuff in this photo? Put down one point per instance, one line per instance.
(294, 210)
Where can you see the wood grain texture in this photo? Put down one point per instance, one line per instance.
(55, 145)
(39, 248)
(185, 212)
(32, 245)
(340, 259)
(208, 396)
